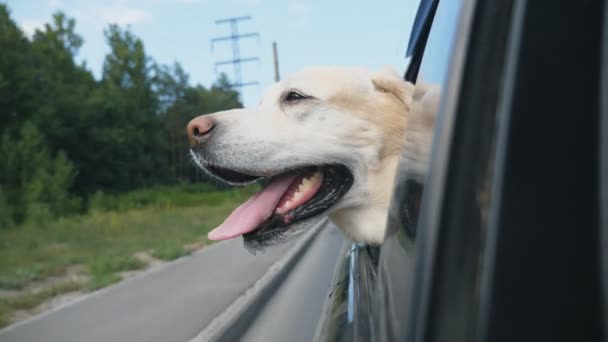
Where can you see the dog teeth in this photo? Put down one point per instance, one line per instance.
(306, 184)
(296, 196)
(314, 178)
(303, 188)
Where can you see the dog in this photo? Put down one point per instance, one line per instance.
(325, 142)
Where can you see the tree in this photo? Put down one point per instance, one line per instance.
(172, 88)
(61, 89)
(65, 135)
(36, 181)
(125, 131)
(184, 103)
(222, 96)
(16, 76)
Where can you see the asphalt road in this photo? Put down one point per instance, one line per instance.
(176, 301)
(293, 312)
(172, 303)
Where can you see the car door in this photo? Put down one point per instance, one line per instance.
(497, 228)
(497, 250)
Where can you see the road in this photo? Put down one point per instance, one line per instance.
(293, 312)
(175, 302)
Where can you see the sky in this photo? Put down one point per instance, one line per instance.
(370, 34)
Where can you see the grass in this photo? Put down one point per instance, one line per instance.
(104, 271)
(106, 240)
(170, 250)
(182, 195)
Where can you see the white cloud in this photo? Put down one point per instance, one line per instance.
(29, 26)
(56, 4)
(298, 8)
(123, 15)
(99, 17)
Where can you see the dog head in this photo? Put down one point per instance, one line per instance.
(324, 142)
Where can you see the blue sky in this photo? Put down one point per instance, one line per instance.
(308, 32)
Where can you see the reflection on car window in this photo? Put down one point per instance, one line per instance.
(396, 299)
(415, 158)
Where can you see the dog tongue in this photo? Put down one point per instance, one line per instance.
(249, 215)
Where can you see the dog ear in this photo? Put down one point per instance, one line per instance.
(389, 81)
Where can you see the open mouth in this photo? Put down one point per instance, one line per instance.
(286, 199)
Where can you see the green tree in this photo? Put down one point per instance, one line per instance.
(62, 88)
(36, 181)
(66, 135)
(222, 96)
(16, 73)
(172, 88)
(183, 103)
(126, 133)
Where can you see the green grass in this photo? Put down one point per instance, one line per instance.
(105, 241)
(170, 250)
(182, 195)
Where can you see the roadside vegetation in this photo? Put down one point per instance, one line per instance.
(95, 177)
(121, 233)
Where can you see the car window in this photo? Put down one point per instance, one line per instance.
(471, 228)
(397, 265)
(419, 37)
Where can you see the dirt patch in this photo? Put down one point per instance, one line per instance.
(76, 275)
(8, 293)
(43, 295)
(57, 291)
(145, 257)
(48, 304)
(73, 274)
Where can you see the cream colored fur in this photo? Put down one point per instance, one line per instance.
(356, 117)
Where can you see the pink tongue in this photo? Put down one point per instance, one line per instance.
(249, 215)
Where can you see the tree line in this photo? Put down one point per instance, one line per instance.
(66, 135)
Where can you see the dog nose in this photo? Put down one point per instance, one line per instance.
(199, 128)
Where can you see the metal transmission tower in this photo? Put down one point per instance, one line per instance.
(236, 54)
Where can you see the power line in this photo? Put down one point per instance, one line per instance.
(236, 60)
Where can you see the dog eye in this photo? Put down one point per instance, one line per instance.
(293, 96)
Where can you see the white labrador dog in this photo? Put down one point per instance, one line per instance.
(326, 141)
